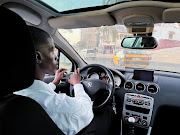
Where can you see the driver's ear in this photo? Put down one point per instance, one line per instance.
(38, 57)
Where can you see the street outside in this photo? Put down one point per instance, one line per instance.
(161, 60)
(106, 39)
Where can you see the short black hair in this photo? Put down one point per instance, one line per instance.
(40, 37)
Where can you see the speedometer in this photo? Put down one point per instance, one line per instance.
(117, 81)
(93, 76)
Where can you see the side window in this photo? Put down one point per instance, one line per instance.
(64, 62)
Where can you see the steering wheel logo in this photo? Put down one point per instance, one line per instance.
(89, 84)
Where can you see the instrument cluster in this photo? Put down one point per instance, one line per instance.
(104, 77)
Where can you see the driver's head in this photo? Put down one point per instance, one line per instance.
(145, 41)
(46, 60)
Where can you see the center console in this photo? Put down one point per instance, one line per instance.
(139, 107)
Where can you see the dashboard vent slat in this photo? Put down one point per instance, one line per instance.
(152, 88)
(128, 85)
(140, 87)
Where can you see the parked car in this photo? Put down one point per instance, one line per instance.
(88, 54)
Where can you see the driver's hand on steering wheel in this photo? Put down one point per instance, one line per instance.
(59, 75)
(75, 78)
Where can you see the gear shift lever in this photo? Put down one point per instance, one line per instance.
(131, 121)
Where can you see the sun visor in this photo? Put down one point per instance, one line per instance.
(171, 15)
(81, 21)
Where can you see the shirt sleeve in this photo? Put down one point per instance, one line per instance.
(79, 92)
(52, 86)
(71, 114)
(84, 113)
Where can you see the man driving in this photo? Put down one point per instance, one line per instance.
(70, 114)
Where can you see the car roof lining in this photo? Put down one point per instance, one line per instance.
(43, 15)
(109, 16)
(28, 14)
(50, 20)
(112, 15)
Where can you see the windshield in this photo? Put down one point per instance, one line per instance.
(66, 5)
(106, 41)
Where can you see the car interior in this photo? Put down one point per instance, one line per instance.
(144, 100)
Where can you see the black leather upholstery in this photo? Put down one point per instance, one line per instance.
(17, 53)
(23, 116)
(19, 115)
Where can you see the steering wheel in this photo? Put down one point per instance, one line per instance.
(92, 86)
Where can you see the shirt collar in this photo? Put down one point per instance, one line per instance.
(39, 85)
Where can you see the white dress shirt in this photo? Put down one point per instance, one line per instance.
(71, 114)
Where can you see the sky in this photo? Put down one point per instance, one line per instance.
(64, 5)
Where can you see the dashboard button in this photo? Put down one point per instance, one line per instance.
(144, 123)
(128, 99)
(141, 102)
(126, 118)
(147, 103)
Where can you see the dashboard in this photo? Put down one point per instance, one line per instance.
(145, 95)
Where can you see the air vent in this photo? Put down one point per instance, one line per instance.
(128, 85)
(140, 87)
(152, 88)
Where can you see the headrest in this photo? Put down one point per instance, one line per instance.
(17, 53)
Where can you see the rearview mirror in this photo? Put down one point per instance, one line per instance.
(139, 42)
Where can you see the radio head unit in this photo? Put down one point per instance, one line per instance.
(138, 106)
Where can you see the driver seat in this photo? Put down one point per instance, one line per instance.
(19, 115)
